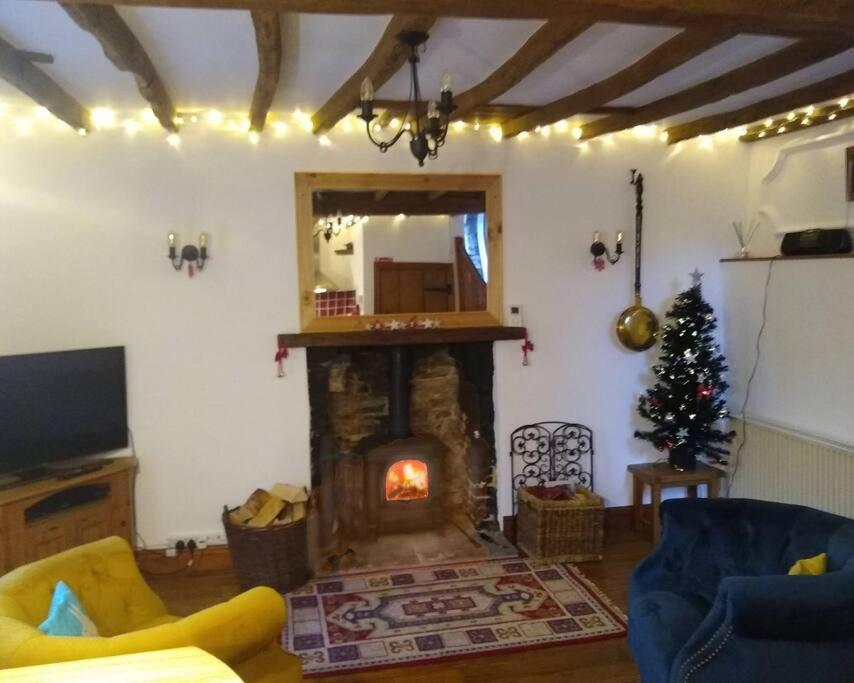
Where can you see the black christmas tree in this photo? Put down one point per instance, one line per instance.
(687, 401)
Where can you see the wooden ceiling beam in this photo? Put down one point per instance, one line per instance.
(123, 49)
(268, 38)
(764, 70)
(544, 43)
(828, 89)
(781, 17)
(667, 56)
(21, 73)
(485, 113)
(385, 60)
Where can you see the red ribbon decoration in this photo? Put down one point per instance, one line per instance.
(527, 345)
(281, 354)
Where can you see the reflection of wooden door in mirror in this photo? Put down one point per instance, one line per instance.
(471, 285)
(413, 287)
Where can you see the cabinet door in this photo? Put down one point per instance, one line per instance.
(48, 539)
(93, 526)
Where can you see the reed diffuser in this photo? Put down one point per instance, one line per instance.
(744, 237)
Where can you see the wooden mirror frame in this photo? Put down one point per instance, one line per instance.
(307, 183)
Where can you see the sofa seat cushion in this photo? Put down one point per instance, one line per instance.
(660, 622)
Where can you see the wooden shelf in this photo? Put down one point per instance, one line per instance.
(784, 258)
(440, 335)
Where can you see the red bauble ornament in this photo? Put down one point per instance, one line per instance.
(705, 391)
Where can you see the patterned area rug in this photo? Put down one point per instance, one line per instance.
(398, 617)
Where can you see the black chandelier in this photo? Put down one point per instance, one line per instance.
(426, 123)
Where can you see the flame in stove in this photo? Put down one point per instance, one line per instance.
(406, 480)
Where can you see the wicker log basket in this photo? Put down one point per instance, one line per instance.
(274, 556)
(561, 530)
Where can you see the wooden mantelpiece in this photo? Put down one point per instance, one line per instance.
(439, 335)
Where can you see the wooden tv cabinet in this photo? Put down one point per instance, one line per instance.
(44, 517)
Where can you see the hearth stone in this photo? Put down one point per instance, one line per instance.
(357, 406)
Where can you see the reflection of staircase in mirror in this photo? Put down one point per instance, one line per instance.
(472, 288)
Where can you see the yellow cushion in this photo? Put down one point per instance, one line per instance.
(810, 566)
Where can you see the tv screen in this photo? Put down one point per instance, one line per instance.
(55, 406)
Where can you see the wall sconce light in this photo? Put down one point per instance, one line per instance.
(193, 255)
(598, 249)
(332, 226)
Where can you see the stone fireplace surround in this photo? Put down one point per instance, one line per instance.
(360, 413)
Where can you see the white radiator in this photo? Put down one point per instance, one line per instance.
(788, 467)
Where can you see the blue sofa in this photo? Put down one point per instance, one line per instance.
(713, 602)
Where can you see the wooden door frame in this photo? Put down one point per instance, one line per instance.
(305, 184)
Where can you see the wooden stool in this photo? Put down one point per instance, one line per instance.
(660, 475)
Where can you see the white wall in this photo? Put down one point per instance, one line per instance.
(83, 227)
(343, 270)
(804, 379)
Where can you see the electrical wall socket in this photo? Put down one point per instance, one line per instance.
(201, 539)
(514, 316)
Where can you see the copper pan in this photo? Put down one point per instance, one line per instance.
(637, 326)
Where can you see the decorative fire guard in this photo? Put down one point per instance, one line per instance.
(551, 451)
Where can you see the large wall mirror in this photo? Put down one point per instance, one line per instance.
(381, 247)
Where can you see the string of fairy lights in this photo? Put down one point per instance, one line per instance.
(27, 120)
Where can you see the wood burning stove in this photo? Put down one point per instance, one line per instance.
(404, 478)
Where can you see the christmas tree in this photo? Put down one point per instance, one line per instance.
(687, 400)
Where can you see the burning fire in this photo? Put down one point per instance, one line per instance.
(406, 480)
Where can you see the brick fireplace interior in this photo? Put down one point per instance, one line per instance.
(403, 455)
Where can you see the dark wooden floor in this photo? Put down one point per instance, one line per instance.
(607, 661)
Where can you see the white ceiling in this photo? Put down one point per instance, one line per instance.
(207, 58)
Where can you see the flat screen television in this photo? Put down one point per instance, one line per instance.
(62, 405)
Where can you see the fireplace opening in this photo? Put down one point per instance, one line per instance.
(407, 480)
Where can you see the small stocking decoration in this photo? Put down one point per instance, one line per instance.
(527, 346)
(281, 354)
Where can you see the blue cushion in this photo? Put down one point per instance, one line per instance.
(66, 616)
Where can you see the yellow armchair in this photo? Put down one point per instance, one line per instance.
(242, 632)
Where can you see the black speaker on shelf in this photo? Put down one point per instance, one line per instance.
(816, 242)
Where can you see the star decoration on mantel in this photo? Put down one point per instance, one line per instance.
(696, 277)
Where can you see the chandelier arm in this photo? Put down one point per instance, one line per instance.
(382, 144)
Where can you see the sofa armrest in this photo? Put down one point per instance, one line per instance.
(799, 608)
(231, 631)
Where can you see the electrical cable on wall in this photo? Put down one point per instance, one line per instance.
(757, 358)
